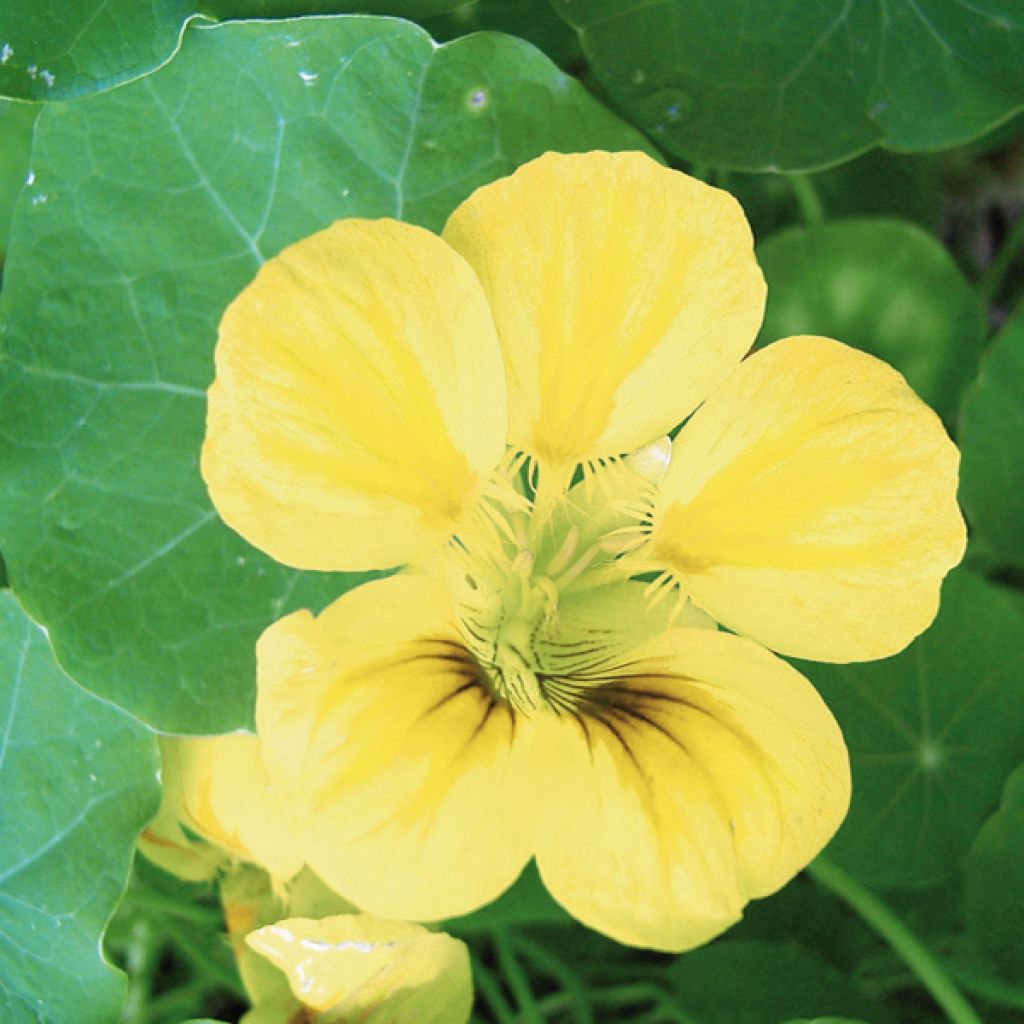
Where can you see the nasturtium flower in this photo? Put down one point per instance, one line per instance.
(488, 408)
(358, 969)
(219, 809)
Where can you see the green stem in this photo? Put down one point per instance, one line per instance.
(180, 1002)
(622, 995)
(553, 1005)
(140, 962)
(921, 961)
(643, 992)
(574, 989)
(513, 973)
(992, 280)
(993, 990)
(207, 966)
(488, 987)
(811, 208)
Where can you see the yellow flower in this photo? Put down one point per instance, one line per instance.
(217, 789)
(388, 397)
(358, 969)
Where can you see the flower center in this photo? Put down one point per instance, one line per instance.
(526, 553)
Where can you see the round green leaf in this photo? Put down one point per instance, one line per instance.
(883, 286)
(994, 882)
(991, 439)
(932, 733)
(800, 84)
(78, 780)
(54, 51)
(151, 207)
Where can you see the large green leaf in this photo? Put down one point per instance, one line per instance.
(798, 84)
(120, 265)
(886, 287)
(994, 882)
(744, 981)
(16, 123)
(992, 441)
(933, 733)
(53, 51)
(78, 779)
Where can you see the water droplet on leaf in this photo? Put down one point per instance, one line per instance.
(668, 107)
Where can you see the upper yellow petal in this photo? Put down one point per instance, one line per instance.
(359, 402)
(623, 292)
(703, 773)
(371, 970)
(811, 504)
(411, 774)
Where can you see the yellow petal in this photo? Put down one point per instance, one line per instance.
(359, 402)
(217, 787)
(705, 773)
(412, 776)
(252, 900)
(357, 967)
(811, 504)
(165, 843)
(623, 292)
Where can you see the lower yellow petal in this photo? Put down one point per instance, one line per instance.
(623, 292)
(359, 403)
(706, 773)
(411, 776)
(375, 971)
(811, 504)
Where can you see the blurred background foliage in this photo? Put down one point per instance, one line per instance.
(149, 159)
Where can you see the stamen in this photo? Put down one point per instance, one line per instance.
(577, 568)
(520, 534)
(561, 557)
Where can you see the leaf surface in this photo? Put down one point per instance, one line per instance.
(799, 84)
(54, 51)
(991, 439)
(78, 779)
(933, 733)
(994, 882)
